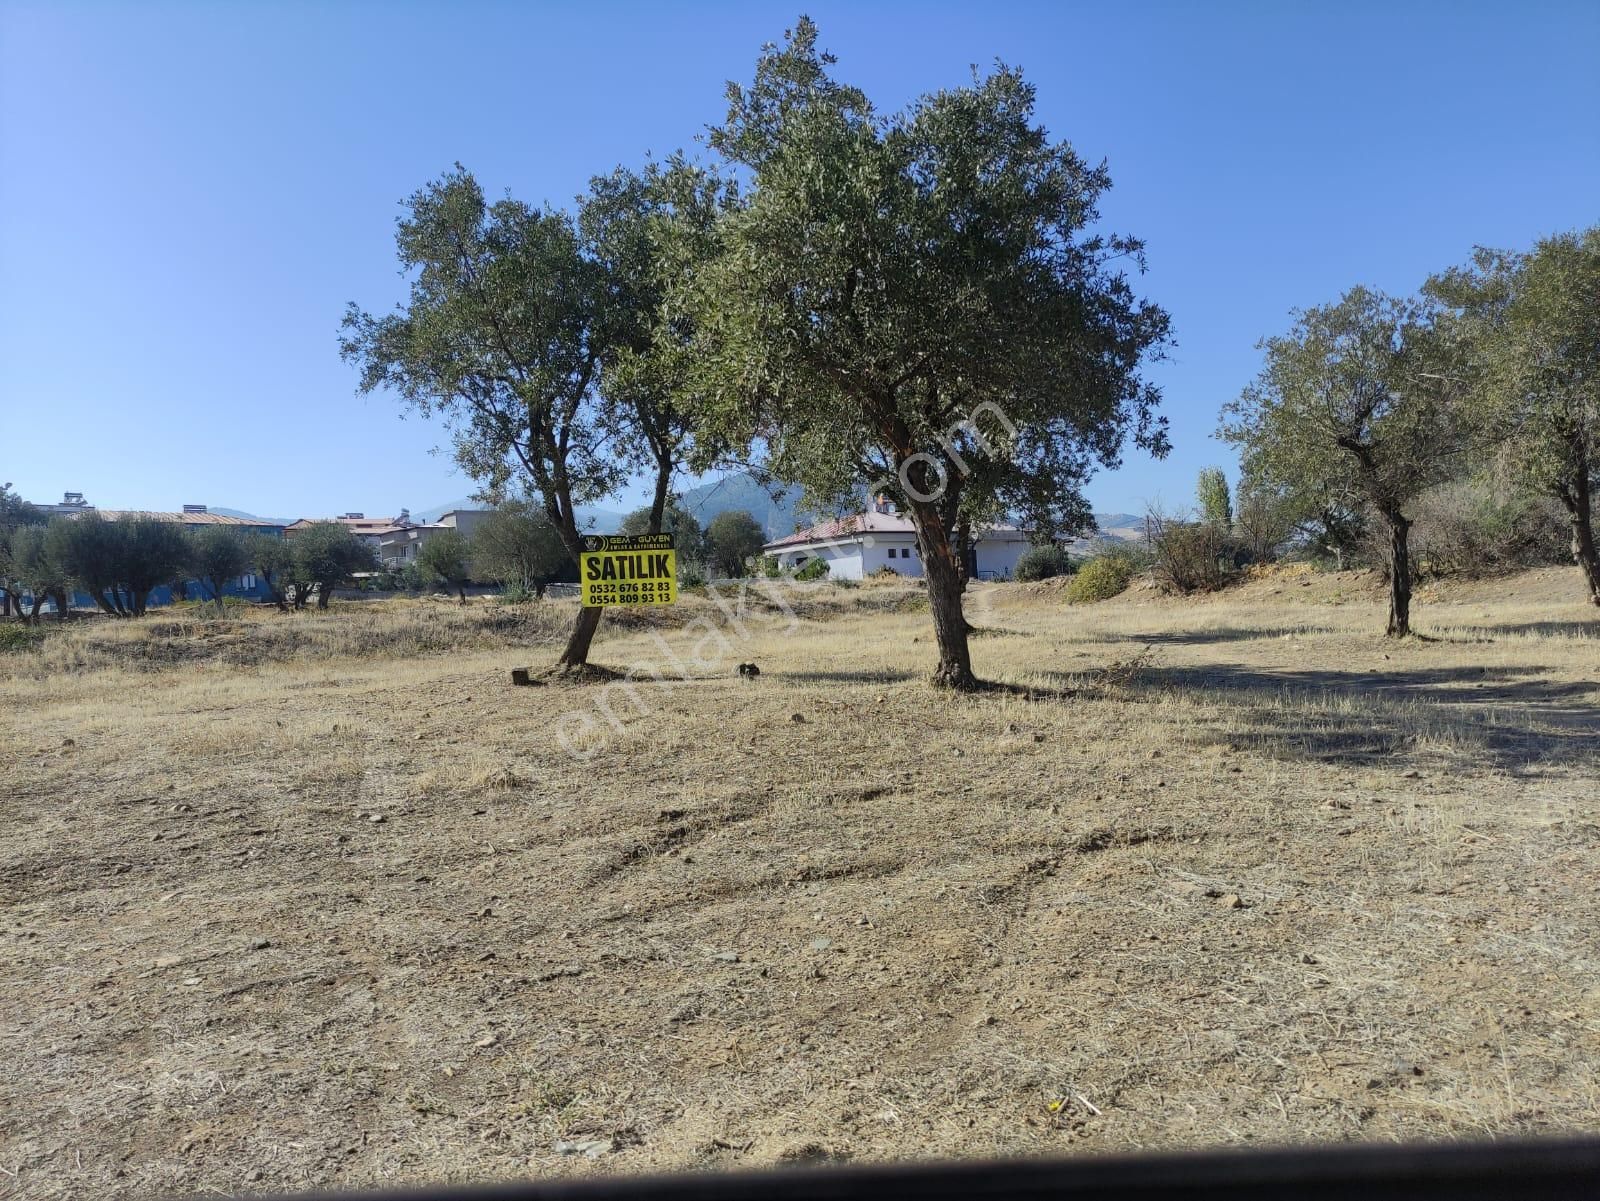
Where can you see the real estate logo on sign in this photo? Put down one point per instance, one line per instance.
(624, 569)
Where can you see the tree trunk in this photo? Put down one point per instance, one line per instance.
(576, 653)
(461, 591)
(38, 603)
(60, 595)
(1580, 513)
(942, 571)
(1399, 575)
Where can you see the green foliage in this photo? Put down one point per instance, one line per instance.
(890, 274)
(34, 569)
(119, 563)
(1524, 339)
(688, 539)
(271, 558)
(1471, 528)
(1525, 336)
(1345, 409)
(1351, 410)
(517, 545)
(1043, 563)
(1216, 502)
(18, 638)
(444, 558)
(217, 554)
(812, 569)
(326, 555)
(691, 573)
(1101, 578)
(769, 567)
(732, 540)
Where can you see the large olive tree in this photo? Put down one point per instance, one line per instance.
(921, 304)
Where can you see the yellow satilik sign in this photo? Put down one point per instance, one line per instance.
(623, 569)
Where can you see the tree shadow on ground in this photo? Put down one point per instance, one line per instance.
(1510, 718)
(885, 675)
(1224, 634)
(1546, 629)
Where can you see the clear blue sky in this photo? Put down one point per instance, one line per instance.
(189, 193)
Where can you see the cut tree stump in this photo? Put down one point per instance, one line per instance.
(519, 676)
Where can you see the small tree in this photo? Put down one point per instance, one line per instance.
(35, 571)
(732, 539)
(326, 556)
(1043, 563)
(445, 557)
(217, 554)
(1526, 342)
(15, 514)
(517, 545)
(1216, 502)
(272, 559)
(1348, 406)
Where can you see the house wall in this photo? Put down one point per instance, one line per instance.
(999, 556)
(905, 561)
(844, 559)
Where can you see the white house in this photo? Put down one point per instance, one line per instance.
(856, 547)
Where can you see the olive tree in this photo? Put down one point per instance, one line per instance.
(217, 554)
(1525, 341)
(271, 557)
(516, 545)
(445, 557)
(545, 341)
(921, 304)
(732, 539)
(119, 563)
(1349, 408)
(326, 555)
(35, 571)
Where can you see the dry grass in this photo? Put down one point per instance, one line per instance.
(1264, 877)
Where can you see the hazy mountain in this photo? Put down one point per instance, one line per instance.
(250, 516)
(739, 490)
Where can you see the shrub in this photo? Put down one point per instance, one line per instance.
(769, 567)
(815, 569)
(1191, 556)
(691, 572)
(1043, 563)
(1100, 579)
(18, 638)
(1468, 528)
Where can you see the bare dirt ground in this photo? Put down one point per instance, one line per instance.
(319, 900)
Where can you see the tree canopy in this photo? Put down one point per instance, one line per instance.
(516, 545)
(732, 539)
(1525, 343)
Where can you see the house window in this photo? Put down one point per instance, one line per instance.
(892, 552)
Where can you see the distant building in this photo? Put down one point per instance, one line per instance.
(400, 546)
(858, 546)
(71, 503)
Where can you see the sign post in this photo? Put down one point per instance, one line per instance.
(628, 569)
